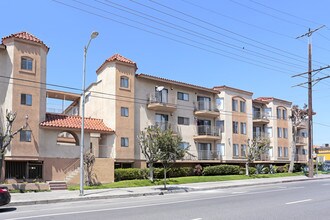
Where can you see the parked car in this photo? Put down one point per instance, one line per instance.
(4, 196)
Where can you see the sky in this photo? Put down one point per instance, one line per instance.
(246, 44)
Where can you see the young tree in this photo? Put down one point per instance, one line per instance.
(298, 116)
(89, 161)
(169, 150)
(147, 140)
(7, 136)
(256, 148)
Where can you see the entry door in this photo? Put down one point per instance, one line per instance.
(162, 96)
(162, 121)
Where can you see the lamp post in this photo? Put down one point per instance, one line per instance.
(82, 177)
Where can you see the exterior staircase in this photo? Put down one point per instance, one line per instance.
(57, 185)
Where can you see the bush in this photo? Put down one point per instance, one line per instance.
(280, 169)
(180, 171)
(221, 170)
(129, 174)
(297, 168)
(265, 170)
(286, 168)
(198, 171)
(252, 170)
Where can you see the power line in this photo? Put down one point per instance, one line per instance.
(179, 41)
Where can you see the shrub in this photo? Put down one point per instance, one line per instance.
(297, 168)
(128, 174)
(259, 169)
(265, 170)
(252, 170)
(221, 170)
(280, 169)
(286, 168)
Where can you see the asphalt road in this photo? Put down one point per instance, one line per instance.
(297, 200)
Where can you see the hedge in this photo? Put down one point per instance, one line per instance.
(136, 173)
(221, 170)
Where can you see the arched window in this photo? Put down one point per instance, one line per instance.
(67, 138)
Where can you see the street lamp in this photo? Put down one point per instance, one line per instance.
(82, 179)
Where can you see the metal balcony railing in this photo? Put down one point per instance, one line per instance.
(166, 126)
(208, 130)
(206, 106)
(209, 155)
(260, 115)
(260, 135)
(162, 99)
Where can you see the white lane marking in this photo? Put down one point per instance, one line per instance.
(299, 201)
(197, 219)
(239, 192)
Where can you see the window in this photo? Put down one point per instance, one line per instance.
(124, 111)
(285, 133)
(269, 131)
(286, 151)
(242, 106)
(220, 125)
(284, 114)
(235, 127)
(220, 103)
(124, 82)
(124, 142)
(183, 121)
(279, 152)
(87, 97)
(268, 112)
(26, 99)
(25, 136)
(304, 134)
(183, 96)
(221, 149)
(243, 150)
(243, 127)
(26, 63)
(279, 132)
(184, 145)
(235, 150)
(279, 112)
(162, 121)
(304, 151)
(235, 105)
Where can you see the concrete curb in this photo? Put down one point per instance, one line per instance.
(160, 192)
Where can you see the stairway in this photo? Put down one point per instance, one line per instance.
(57, 185)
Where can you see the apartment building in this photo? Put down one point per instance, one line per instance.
(215, 123)
(48, 147)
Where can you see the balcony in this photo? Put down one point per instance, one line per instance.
(260, 135)
(301, 125)
(301, 141)
(300, 158)
(161, 103)
(207, 133)
(166, 126)
(205, 109)
(209, 155)
(260, 118)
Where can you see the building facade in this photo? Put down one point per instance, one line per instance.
(217, 124)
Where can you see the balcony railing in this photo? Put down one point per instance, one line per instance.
(206, 109)
(260, 135)
(260, 117)
(166, 126)
(300, 157)
(208, 130)
(159, 102)
(209, 155)
(301, 140)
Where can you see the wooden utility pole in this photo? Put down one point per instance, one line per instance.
(310, 99)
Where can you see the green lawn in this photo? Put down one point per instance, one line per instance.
(181, 180)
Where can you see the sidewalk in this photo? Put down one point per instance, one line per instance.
(69, 196)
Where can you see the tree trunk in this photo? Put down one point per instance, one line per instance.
(151, 172)
(165, 177)
(293, 150)
(247, 168)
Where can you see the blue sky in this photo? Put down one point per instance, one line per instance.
(247, 44)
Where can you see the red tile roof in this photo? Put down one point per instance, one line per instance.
(74, 122)
(26, 36)
(117, 57)
(146, 76)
